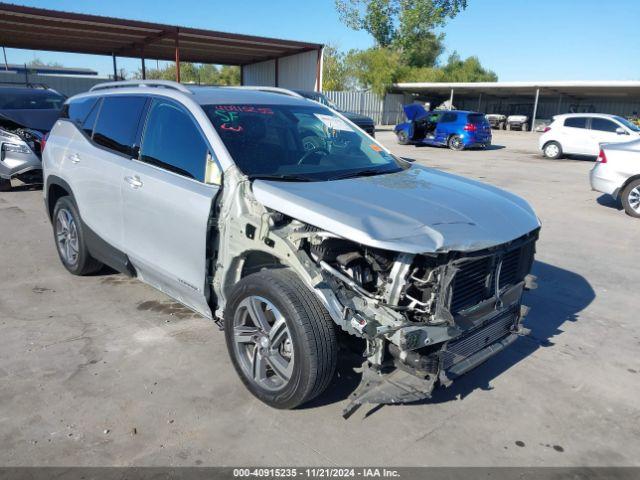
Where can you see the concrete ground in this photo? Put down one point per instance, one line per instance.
(106, 371)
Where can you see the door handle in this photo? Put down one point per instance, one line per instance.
(74, 157)
(134, 181)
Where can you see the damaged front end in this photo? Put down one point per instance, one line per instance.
(428, 318)
(20, 151)
(425, 318)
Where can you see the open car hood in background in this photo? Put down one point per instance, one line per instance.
(417, 210)
(36, 119)
(414, 111)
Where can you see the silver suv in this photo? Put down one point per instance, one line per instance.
(291, 228)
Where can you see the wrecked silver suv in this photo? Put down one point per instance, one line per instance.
(290, 227)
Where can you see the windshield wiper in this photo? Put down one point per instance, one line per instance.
(282, 178)
(362, 173)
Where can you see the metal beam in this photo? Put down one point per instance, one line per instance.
(177, 55)
(115, 67)
(535, 110)
(451, 100)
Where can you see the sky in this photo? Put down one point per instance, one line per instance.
(518, 39)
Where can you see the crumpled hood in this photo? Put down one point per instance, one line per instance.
(37, 119)
(417, 210)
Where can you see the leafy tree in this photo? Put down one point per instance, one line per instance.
(37, 62)
(335, 75)
(375, 69)
(469, 70)
(204, 74)
(397, 20)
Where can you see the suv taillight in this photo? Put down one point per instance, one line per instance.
(43, 142)
(546, 129)
(470, 127)
(602, 158)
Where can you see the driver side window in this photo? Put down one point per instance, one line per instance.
(173, 141)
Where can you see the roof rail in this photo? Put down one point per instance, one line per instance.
(141, 83)
(283, 91)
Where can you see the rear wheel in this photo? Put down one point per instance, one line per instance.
(631, 199)
(403, 138)
(455, 143)
(280, 338)
(5, 185)
(70, 242)
(552, 150)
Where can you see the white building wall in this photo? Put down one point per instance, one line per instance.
(263, 74)
(298, 71)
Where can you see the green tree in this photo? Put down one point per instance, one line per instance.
(468, 70)
(375, 69)
(37, 62)
(389, 21)
(202, 74)
(335, 75)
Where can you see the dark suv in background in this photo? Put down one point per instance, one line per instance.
(365, 123)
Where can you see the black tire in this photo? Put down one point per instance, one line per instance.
(630, 197)
(552, 150)
(310, 332)
(83, 263)
(5, 185)
(503, 125)
(403, 138)
(455, 143)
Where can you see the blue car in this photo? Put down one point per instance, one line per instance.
(455, 129)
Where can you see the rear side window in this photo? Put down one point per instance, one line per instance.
(603, 125)
(449, 118)
(576, 122)
(90, 121)
(173, 141)
(118, 122)
(78, 110)
(477, 119)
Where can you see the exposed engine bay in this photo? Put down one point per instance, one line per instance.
(425, 318)
(20, 151)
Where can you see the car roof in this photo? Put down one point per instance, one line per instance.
(578, 115)
(205, 95)
(30, 90)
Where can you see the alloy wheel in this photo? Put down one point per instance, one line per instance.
(552, 151)
(263, 343)
(67, 237)
(634, 199)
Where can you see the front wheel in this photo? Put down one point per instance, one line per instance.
(455, 143)
(403, 138)
(631, 199)
(552, 150)
(280, 338)
(70, 241)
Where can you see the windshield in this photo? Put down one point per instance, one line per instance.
(631, 126)
(297, 143)
(35, 100)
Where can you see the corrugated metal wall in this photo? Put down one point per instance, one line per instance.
(64, 84)
(262, 73)
(298, 71)
(384, 112)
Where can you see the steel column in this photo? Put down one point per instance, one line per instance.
(115, 67)
(144, 68)
(535, 110)
(177, 56)
(559, 103)
(451, 100)
(479, 101)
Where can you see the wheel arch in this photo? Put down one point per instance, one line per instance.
(618, 193)
(55, 189)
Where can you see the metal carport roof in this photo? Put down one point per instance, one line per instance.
(43, 29)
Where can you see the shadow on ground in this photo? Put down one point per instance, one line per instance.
(560, 297)
(608, 201)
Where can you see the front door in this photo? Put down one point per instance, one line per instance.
(167, 206)
(604, 130)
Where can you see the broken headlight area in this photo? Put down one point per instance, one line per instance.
(427, 319)
(21, 140)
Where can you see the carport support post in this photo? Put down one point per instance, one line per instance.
(177, 57)
(479, 101)
(535, 110)
(144, 68)
(451, 100)
(115, 67)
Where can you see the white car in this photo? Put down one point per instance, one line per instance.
(617, 173)
(582, 134)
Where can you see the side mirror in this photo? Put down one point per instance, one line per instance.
(621, 131)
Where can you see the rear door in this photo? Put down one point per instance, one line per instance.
(96, 160)
(575, 136)
(604, 130)
(167, 205)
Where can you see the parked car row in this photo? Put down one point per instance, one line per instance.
(282, 221)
